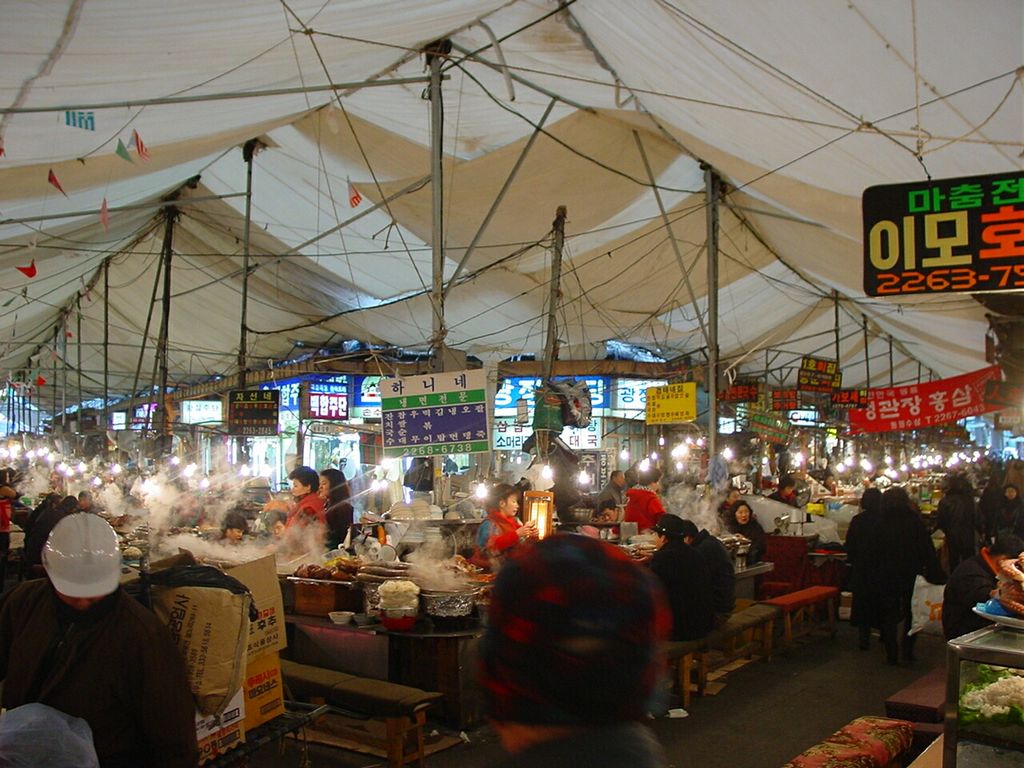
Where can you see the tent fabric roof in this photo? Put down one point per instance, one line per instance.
(797, 105)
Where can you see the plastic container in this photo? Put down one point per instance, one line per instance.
(341, 617)
(398, 621)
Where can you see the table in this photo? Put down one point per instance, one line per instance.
(746, 584)
(931, 757)
(827, 569)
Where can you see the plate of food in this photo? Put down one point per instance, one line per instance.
(982, 609)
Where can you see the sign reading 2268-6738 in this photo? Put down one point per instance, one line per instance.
(947, 235)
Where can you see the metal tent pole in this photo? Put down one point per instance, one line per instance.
(551, 344)
(165, 329)
(711, 187)
(867, 357)
(435, 53)
(106, 343)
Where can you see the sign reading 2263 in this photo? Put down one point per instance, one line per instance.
(947, 235)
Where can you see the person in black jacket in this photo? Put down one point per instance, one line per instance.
(743, 522)
(973, 582)
(686, 578)
(957, 519)
(723, 572)
(860, 555)
(902, 549)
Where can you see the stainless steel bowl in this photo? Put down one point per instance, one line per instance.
(445, 604)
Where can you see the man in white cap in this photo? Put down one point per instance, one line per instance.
(76, 642)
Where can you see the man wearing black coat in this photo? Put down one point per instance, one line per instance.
(723, 572)
(686, 578)
(972, 583)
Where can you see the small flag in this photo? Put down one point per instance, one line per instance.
(52, 178)
(140, 148)
(2, 150)
(10, 300)
(122, 152)
(40, 381)
(105, 216)
(354, 198)
(29, 271)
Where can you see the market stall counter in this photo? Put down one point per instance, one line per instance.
(429, 657)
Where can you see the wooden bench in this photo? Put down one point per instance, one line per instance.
(867, 742)
(757, 619)
(797, 609)
(402, 708)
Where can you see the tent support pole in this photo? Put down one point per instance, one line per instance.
(78, 350)
(867, 358)
(145, 337)
(435, 53)
(672, 238)
(165, 330)
(249, 150)
(551, 345)
(891, 373)
(106, 343)
(53, 383)
(497, 200)
(711, 187)
(835, 303)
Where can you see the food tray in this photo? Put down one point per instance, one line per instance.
(318, 597)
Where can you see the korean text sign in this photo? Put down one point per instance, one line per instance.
(930, 404)
(945, 235)
(818, 375)
(433, 414)
(672, 403)
(253, 413)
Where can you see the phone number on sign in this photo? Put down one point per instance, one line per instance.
(955, 279)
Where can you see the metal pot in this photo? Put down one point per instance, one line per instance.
(444, 604)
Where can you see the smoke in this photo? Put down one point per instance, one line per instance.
(430, 567)
(686, 502)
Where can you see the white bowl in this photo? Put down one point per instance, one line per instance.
(341, 617)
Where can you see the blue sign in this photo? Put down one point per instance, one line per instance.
(320, 384)
(366, 392)
(515, 389)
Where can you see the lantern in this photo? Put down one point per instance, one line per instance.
(539, 507)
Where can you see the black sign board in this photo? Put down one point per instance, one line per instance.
(818, 375)
(945, 235)
(850, 398)
(785, 399)
(741, 392)
(253, 413)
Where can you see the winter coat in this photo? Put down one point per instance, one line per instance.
(115, 666)
(971, 583)
(643, 507)
(687, 581)
(723, 572)
(956, 518)
(862, 557)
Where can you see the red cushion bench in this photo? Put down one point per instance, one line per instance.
(798, 606)
(867, 742)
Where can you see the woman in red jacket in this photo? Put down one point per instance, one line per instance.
(643, 506)
(501, 529)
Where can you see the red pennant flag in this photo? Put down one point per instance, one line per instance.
(139, 146)
(2, 150)
(52, 178)
(354, 198)
(40, 381)
(29, 271)
(105, 216)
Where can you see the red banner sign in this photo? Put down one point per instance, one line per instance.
(916, 406)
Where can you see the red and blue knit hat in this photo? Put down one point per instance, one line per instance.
(573, 636)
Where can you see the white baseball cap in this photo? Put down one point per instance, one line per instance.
(82, 557)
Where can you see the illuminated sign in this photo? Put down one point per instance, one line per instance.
(818, 375)
(945, 235)
(202, 411)
(435, 414)
(672, 403)
(324, 406)
(253, 413)
(515, 389)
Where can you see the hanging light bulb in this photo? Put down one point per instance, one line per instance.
(841, 467)
(547, 472)
(82, 467)
(654, 455)
(97, 482)
(175, 460)
(679, 466)
(245, 471)
(481, 491)
(584, 477)
(624, 454)
(866, 465)
(727, 453)
(117, 469)
(189, 470)
(644, 465)
(799, 459)
(30, 455)
(661, 440)
(204, 483)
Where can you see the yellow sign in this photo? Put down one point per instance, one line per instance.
(672, 404)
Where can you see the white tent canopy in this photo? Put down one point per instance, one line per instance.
(797, 105)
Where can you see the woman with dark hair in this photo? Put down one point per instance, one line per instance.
(643, 506)
(743, 522)
(309, 507)
(956, 518)
(234, 527)
(861, 557)
(1009, 516)
(336, 493)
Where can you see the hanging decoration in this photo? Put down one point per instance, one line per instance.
(40, 380)
(52, 178)
(30, 270)
(105, 216)
(2, 150)
(354, 198)
(122, 152)
(140, 148)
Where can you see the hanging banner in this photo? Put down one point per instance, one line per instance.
(850, 398)
(818, 375)
(323, 406)
(770, 427)
(435, 414)
(672, 403)
(253, 413)
(945, 235)
(925, 405)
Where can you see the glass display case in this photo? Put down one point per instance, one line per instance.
(985, 699)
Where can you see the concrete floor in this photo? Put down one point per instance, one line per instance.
(765, 715)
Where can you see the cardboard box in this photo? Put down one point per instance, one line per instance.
(217, 734)
(267, 633)
(264, 690)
